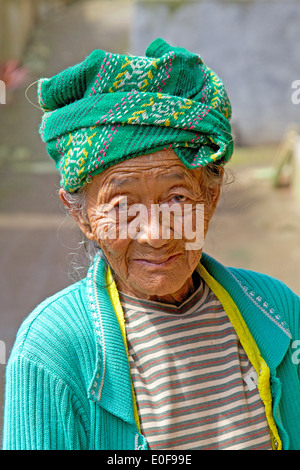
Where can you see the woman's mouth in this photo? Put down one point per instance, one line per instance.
(157, 262)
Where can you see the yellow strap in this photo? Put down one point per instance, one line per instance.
(250, 348)
(115, 300)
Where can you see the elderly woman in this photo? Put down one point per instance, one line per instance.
(160, 346)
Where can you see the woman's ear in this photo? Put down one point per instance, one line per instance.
(81, 219)
(215, 192)
(215, 196)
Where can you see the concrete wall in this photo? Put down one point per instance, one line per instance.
(254, 45)
(17, 19)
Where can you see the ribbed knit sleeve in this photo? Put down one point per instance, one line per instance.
(47, 377)
(41, 412)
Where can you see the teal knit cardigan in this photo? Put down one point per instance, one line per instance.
(68, 379)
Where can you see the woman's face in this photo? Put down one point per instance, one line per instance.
(153, 255)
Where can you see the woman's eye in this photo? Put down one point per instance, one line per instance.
(178, 198)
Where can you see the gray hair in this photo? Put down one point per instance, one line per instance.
(81, 259)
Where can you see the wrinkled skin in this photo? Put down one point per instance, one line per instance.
(159, 268)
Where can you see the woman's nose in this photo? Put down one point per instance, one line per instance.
(151, 230)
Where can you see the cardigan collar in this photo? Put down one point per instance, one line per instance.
(111, 384)
(265, 321)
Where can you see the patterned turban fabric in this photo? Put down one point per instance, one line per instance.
(113, 107)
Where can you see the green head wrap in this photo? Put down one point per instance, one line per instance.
(112, 107)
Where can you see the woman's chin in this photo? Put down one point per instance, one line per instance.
(161, 284)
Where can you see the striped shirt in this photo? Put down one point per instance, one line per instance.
(195, 387)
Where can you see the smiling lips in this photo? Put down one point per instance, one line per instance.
(157, 262)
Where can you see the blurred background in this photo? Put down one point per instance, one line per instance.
(252, 44)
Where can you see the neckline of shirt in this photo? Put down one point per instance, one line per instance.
(197, 298)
